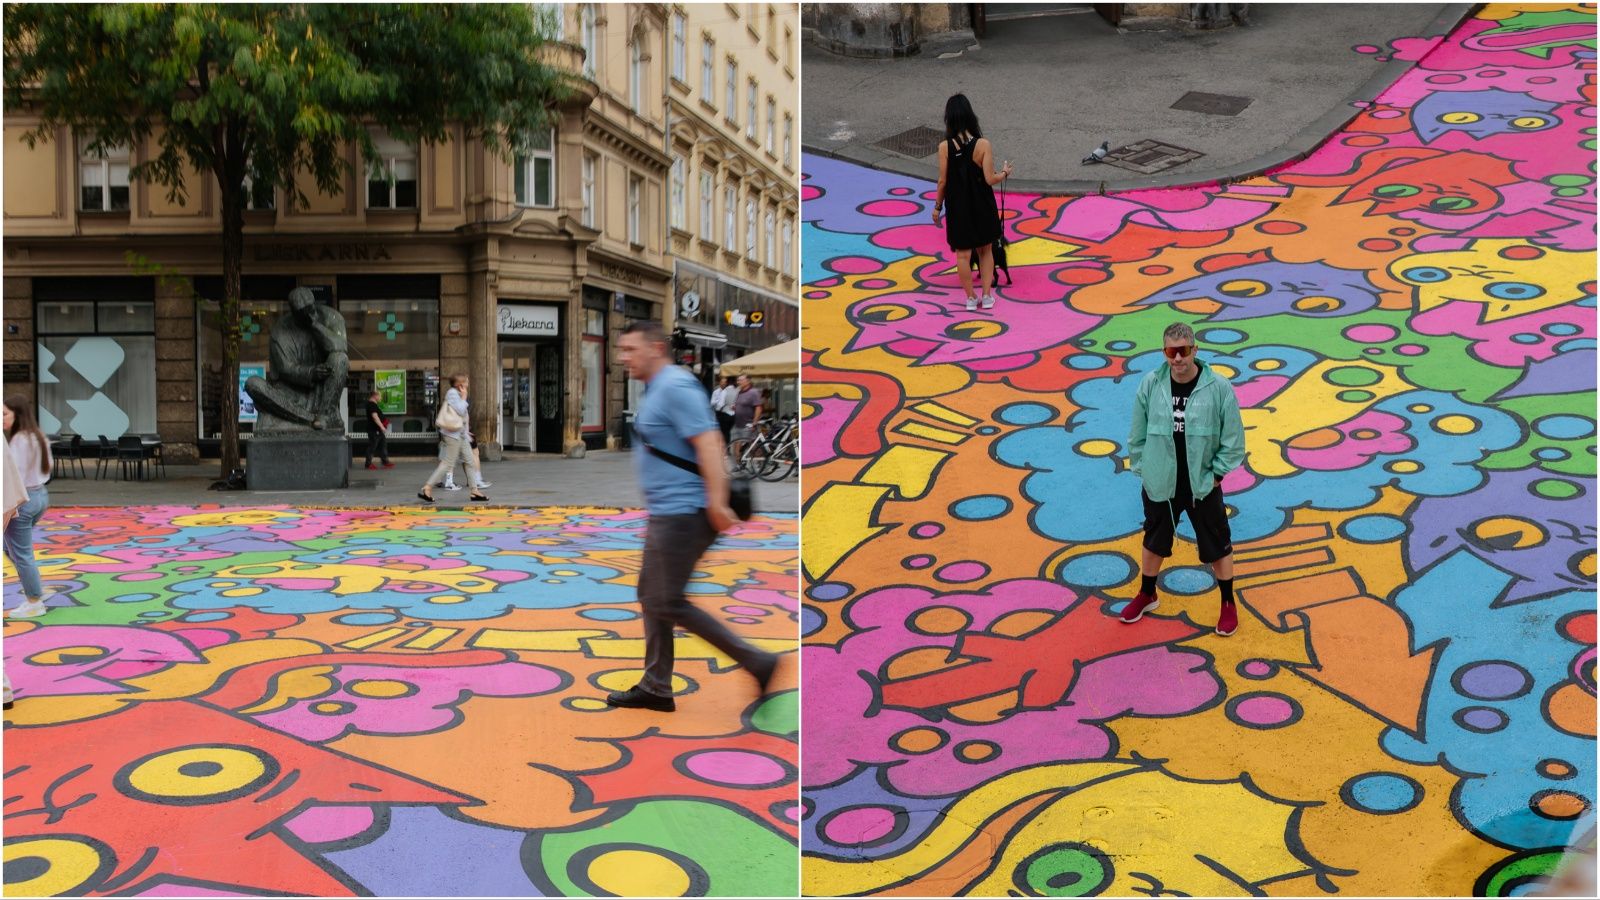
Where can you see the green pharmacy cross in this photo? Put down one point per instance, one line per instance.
(391, 326)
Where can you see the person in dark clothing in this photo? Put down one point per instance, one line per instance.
(966, 186)
(377, 433)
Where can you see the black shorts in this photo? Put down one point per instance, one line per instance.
(1209, 518)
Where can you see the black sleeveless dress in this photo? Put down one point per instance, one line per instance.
(972, 219)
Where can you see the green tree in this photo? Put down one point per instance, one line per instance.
(263, 92)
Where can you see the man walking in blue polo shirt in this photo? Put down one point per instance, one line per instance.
(687, 511)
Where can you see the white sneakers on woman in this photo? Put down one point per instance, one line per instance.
(27, 609)
(972, 303)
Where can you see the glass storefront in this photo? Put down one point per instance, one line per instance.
(96, 357)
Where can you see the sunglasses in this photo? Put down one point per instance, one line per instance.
(1177, 352)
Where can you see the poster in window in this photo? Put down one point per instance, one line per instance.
(391, 387)
(247, 404)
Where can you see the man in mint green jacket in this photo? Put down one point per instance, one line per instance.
(1186, 435)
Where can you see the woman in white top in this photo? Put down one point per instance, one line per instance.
(455, 444)
(30, 452)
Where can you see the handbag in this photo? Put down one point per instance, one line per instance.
(739, 490)
(448, 419)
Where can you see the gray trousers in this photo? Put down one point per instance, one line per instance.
(672, 546)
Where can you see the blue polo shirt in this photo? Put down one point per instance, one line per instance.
(674, 409)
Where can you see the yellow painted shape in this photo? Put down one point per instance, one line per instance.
(1140, 819)
(944, 413)
(1309, 403)
(292, 686)
(71, 863)
(588, 704)
(687, 647)
(375, 638)
(638, 873)
(1558, 274)
(379, 688)
(837, 522)
(568, 640)
(431, 638)
(163, 776)
(909, 470)
(831, 878)
(931, 433)
(1039, 251)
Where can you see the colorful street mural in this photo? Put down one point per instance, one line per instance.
(230, 701)
(1408, 319)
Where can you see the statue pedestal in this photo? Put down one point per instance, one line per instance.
(298, 461)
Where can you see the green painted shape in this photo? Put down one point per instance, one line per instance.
(778, 714)
(1580, 451)
(740, 857)
(1534, 866)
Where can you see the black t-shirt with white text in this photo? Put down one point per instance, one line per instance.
(1180, 405)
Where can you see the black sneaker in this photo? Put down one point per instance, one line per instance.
(638, 698)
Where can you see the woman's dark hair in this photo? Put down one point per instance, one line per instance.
(24, 421)
(959, 117)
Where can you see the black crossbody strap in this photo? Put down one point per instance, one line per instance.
(678, 461)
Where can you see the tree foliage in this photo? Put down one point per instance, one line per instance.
(270, 91)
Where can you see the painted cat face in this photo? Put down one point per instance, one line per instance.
(1456, 184)
(934, 328)
(1272, 288)
(1509, 278)
(1481, 114)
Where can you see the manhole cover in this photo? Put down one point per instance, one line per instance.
(1212, 104)
(1150, 156)
(916, 143)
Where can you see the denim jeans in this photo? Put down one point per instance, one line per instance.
(19, 541)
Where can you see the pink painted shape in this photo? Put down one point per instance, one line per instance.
(323, 824)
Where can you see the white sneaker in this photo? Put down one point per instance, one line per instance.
(972, 304)
(988, 301)
(484, 484)
(27, 609)
(451, 486)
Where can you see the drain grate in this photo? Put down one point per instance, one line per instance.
(915, 142)
(1212, 104)
(1148, 157)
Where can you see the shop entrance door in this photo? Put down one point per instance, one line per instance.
(549, 390)
(516, 395)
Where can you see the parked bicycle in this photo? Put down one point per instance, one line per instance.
(773, 453)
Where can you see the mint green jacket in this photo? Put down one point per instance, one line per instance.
(1213, 434)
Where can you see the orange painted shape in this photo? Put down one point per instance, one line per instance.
(1362, 649)
(1289, 562)
(1273, 601)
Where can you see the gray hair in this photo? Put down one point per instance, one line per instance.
(1178, 331)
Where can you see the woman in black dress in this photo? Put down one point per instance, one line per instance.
(966, 182)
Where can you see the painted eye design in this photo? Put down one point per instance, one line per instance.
(1318, 304)
(1460, 118)
(1244, 287)
(879, 313)
(1396, 190)
(975, 330)
(1514, 290)
(1452, 204)
(1426, 275)
(1530, 122)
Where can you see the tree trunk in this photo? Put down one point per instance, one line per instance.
(232, 276)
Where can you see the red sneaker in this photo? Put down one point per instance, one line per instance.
(388, 465)
(1137, 607)
(371, 466)
(1228, 621)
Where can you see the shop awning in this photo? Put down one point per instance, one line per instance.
(782, 361)
(699, 337)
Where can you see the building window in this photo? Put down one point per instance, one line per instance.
(103, 179)
(707, 189)
(635, 201)
(788, 246)
(750, 111)
(552, 20)
(535, 173)
(680, 190)
(590, 36)
(392, 183)
(733, 93)
(730, 203)
(97, 368)
(680, 47)
(708, 65)
(770, 232)
(636, 75)
(788, 47)
(258, 196)
(788, 139)
(772, 27)
(751, 247)
(594, 370)
(772, 126)
(589, 165)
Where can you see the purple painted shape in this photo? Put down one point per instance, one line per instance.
(919, 815)
(1555, 375)
(425, 853)
(115, 653)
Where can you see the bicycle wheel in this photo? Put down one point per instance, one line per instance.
(782, 462)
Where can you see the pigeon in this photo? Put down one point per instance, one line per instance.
(1098, 154)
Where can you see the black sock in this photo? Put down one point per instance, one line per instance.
(1147, 584)
(1225, 585)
